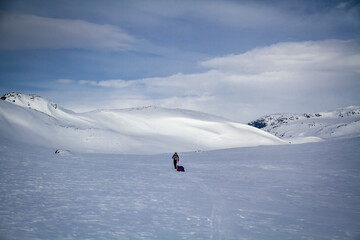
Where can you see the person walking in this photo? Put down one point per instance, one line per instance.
(175, 157)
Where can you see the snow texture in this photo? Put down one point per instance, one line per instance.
(146, 130)
(295, 128)
(53, 187)
(306, 191)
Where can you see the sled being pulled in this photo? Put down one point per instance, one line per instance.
(180, 169)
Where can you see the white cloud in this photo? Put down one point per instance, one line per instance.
(20, 31)
(108, 83)
(293, 77)
(331, 55)
(65, 81)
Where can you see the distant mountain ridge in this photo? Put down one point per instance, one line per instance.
(144, 130)
(297, 128)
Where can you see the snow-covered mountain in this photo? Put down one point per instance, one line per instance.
(146, 130)
(296, 128)
(31, 101)
(291, 191)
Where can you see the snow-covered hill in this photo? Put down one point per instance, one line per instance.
(295, 128)
(31, 101)
(305, 191)
(147, 130)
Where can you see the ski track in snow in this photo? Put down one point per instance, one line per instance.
(308, 191)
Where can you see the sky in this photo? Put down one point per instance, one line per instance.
(236, 59)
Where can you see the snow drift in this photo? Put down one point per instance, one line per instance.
(146, 130)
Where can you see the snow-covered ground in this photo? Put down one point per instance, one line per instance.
(312, 127)
(58, 179)
(307, 191)
(145, 130)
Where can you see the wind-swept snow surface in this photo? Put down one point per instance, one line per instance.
(308, 191)
(146, 130)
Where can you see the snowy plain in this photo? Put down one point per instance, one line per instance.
(90, 190)
(306, 191)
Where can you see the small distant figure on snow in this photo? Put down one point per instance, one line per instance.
(175, 157)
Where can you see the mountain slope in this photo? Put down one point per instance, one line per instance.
(343, 122)
(138, 130)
